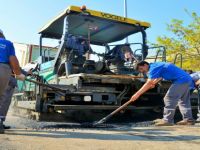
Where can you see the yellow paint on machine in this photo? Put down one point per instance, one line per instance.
(109, 16)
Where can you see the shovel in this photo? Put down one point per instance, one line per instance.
(99, 124)
(103, 120)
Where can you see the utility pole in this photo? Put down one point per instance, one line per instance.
(125, 14)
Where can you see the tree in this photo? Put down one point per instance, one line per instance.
(185, 40)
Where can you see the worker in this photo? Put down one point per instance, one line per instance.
(128, 54)
(196, 78)
(129, 57)
(8, 62)
(177, 94)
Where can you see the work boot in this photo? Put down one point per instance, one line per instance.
(186, 122)
(1, 127)
(6, 127)
(163, 123)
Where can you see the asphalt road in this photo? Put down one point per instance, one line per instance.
(31, 135)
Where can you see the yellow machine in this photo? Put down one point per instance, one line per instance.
(76, 82)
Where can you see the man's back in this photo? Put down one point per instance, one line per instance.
(169, 72)
(6, 50)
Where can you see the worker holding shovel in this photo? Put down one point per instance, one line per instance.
(8, 63)
(178, 93)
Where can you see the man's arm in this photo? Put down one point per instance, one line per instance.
(148, 85)
(15, 65)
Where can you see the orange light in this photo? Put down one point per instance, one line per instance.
(83, 8)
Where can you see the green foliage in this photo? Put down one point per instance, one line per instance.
(185, 39)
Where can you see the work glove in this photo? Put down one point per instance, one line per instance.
(30, 73)
(21, 77)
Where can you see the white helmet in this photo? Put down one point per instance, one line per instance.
(1, 31)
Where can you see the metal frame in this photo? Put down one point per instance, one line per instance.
(40, 46)
(125, 14)
(144, 43)
(163, 50)
(181, 59)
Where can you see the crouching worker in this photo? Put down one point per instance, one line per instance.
(178, 93)
(196, 78)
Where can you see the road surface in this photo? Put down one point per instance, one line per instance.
(31, 135)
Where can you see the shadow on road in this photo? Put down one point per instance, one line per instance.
(145, 135)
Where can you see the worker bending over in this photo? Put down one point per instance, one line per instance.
(177, 94)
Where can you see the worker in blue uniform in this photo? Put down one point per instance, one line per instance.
(8, 63)
(177, 94)
(196, 78)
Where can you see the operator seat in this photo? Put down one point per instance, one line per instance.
(76, 61)
(115, 55)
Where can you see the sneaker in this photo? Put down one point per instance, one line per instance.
(163, 123)
(1, 127)
(198, 120)
(186, 122)
(198, 117)
(157, 120)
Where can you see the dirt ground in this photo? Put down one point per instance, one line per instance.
(29, 135)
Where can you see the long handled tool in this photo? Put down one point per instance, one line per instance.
(99, 124)
(47, 85)
(103, 120)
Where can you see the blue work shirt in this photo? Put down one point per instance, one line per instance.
(6, 50)
(168, 72)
